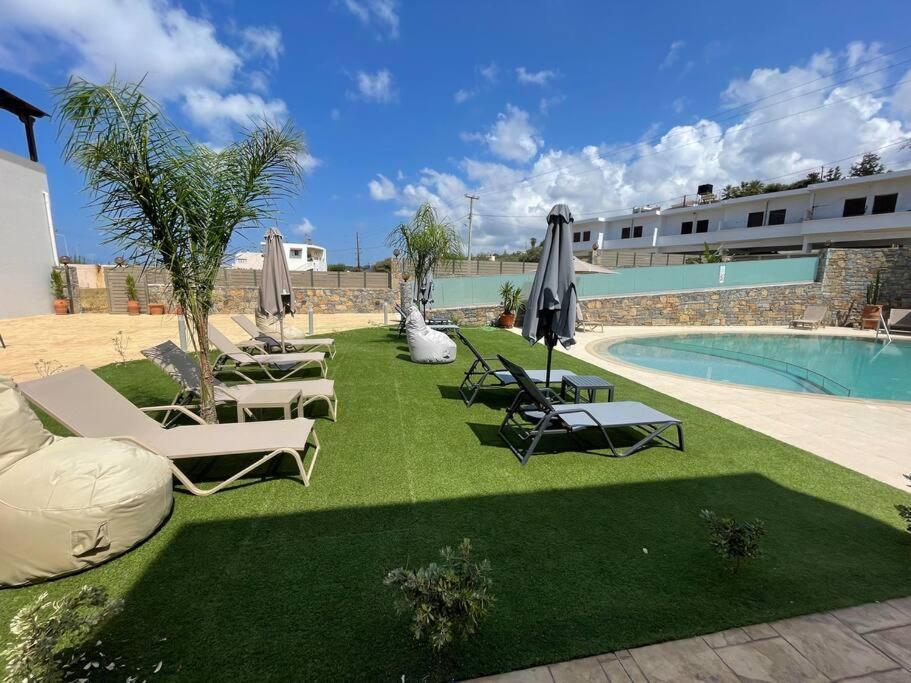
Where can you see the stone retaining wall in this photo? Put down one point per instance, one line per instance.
(344, 300)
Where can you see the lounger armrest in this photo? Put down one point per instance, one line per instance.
(180, 409)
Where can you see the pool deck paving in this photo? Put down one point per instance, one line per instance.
(870, 643)
(866, 435)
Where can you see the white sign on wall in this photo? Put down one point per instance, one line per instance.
(721, 270)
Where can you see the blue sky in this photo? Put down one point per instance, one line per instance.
(601, 105)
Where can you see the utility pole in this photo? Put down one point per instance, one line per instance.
(357, 248)
(471, 200)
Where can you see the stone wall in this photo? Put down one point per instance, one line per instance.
(93, 300)
(343, 300)
(845, 274)
(469, 316)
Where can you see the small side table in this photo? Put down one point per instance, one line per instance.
(588, 383)
(268, 397)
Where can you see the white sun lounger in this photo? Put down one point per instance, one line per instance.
(266, 341)
(284, 365)
(88, 406)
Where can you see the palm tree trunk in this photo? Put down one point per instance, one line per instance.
(207, 385)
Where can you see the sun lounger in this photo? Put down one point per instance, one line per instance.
(184, 370)
(481, 374)
(899, 320)
(88, 406)
(584, 324)
(284, 365)
(812, 318)
(535, 413)
(441, 324)
(264, 341)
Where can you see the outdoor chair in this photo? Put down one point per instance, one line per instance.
(537, 412)
(813, 317)
(88, 406)
(584, 324)
(267, 342)
(427, 345)
(899, 320)
(184, 370)
(482, 375)
(284, 365)
(441, 324)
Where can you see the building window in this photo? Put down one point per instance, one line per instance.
(703, 225)
(297, 253)
(855, 207)
(754, 219)
(624, 234)
(586, 236)
(776, 216)
(885, 203)
(686, 228)
(637, 231)
(577, 236)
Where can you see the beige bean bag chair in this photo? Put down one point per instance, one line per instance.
(67, 504)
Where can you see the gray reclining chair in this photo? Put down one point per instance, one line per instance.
(538, 412)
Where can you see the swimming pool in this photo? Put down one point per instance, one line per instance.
(840, 366)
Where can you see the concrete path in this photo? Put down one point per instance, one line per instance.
(67, 341)
(865, 435)
(870, 643)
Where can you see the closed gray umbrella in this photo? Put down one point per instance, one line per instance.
(423, 291)
(276, 298)
(550, 311)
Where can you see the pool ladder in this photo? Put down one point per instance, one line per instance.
(882, 326)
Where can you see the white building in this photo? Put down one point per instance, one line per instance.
(300, 257)
(868, 211)
(27, 242)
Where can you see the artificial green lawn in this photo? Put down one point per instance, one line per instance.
(273, 580)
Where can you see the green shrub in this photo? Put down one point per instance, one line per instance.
(734, 541)
(904, 511)
(132, 293)
(447, 600)
(511, 296)
(48, 638)
(57, 286)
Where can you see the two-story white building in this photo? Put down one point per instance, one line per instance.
(867, 211)
(300, 257)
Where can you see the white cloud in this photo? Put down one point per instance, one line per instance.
(600, 179)
(462, 95)
(381, 14)
(548, 103)
(673, 54)
(534, 77)
(511, 137)
(376, 87)
(309, 163)
(262, 41)
(221, 114)
(490, 72)
(305, 227)
(382, 189)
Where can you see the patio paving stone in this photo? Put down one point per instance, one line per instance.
(872, 617)
(770, 660)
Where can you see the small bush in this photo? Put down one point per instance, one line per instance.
(57, 286)
(132, 292)
(48, 638)
(904, 511)
(734, 541)
(447, 600)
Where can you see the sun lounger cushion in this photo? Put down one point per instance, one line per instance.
(427, 345)
(21, 432)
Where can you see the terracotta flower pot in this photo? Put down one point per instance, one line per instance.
(507, 320)
(869, 316)
(61, 306)
(133, 307)
(156, 309)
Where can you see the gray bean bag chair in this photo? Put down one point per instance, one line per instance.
(426, 345)
(67, 504)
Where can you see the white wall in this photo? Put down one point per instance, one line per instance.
(26, 246)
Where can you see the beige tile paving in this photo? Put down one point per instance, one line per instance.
(85, 339)
(826, 426)
(856, 644)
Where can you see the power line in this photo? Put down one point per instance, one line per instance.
(615, 151)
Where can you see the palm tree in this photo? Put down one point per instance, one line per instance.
(169, 202)
(426, 241)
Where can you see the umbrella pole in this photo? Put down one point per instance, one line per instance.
(549, 342)
(281, 330)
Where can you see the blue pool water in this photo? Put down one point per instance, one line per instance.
(817, 364)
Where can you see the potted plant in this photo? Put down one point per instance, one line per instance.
(511, 297)
(61, 303)
(869, 317)
(132, 295)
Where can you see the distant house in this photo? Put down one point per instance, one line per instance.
(300, 257)
(28, 249)
(867, 211)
